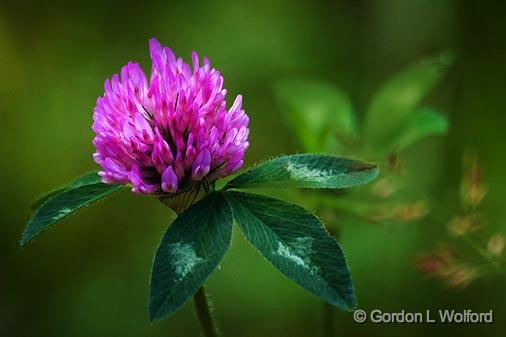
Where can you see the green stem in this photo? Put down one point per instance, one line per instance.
(204, 314)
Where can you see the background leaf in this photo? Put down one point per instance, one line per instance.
(65, 202)
(320, 114)
(397, 98)
(297, 244)
(421, 124)
(306, 170)
(190, 251)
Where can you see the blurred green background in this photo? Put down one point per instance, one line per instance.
(89, 276)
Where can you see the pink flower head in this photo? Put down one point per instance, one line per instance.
(167, 133)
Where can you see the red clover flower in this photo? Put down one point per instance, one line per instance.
(166, 134)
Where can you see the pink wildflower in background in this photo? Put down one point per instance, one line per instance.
(165, 134)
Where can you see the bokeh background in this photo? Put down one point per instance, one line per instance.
(89, 276)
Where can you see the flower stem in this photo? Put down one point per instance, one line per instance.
(204, 314)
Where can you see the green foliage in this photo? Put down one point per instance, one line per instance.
(306, 171)
(190, 251)
(319, 112)
(297, 244)
(79, 193)
(291, 238)
(323, 117)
